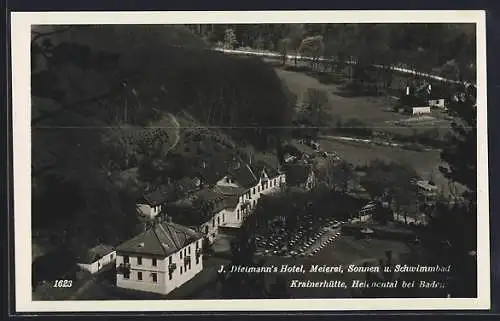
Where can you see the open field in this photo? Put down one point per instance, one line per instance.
(376, 112)
(426, 163)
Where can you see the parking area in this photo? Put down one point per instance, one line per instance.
(306, 239)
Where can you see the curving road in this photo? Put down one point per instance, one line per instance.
(399, 68)
(177, 134)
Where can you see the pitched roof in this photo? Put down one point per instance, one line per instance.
(270, 170)
(244, 176)
(214, 169)
(297, 174)
(231, 201)
(229, 190)
(201, 206)
(162, 239)
(95, 253)
(164, 194)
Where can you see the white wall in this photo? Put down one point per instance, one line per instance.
(421, 110)
(149, 211)
(164, 284)
(96, 266)
(252, 195)
(213, 225)
(437, 103)
(227, 181)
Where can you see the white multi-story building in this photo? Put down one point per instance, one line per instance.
(253, 181)
(206, 210)
(159, 260)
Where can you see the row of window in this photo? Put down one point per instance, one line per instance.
(260, 188)
(154, 262)
(154, 276)
(156, 209)
(218, 221)
(126, 260)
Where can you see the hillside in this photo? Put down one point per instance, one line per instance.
(103, 109)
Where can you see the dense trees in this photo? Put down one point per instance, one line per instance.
(92, 91)
(392, 183)
(459, 153)
(423, 46)
(456, 224)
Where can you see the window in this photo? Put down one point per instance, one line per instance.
(153, 261)
(218, 220)
(223, 217)
(185, 252)
(139, 260)
(181, 269)
(126, 275)
(253, 191)
(155, 277)
(180, 255)
(170, 260)
(112, 256)
(126, 259)
(197, 245)
(170, 276)
(189, 250)
(139, 276)
(213, 222)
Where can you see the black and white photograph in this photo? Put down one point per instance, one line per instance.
(249, 160)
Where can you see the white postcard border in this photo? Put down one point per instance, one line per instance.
(21, 115)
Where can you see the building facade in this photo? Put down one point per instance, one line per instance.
(97, 258)
(159, 260)
(253, 182)
(153, 203)
(420, 110)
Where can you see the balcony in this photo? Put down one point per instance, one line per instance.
(123, 268)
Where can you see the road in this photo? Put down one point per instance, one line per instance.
(399, 67)
(360, 140)
(177, 134)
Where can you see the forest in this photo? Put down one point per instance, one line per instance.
(449, 49)
(95, 96)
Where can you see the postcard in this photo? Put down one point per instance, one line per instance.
(250, 161)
